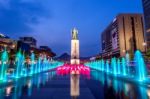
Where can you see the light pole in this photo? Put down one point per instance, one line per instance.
(124, 52)
(145, 45)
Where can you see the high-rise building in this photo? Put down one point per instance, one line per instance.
(146, 7)
(124, 34)
(29, 40)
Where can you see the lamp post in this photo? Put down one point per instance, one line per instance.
(145, 45)
(124, 52)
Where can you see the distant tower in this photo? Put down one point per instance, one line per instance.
(75, 47)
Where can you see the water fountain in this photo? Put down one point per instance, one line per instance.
(140, 66)
(3, 67)
(23, 69)
(39, 64)
(124, 67)
(107, 66)
(121, 67)
(32, 63)
(45, 63)
(118, 66)
(127, 63)
(102, 64)
(114, 66)
(18, 69)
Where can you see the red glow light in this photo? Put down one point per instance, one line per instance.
(75, 69)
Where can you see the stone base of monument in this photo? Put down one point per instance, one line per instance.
(75, 72)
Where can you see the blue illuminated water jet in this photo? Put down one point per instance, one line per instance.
(121, 67)
(17, 72)
(118, 67)
(23, 67)
(127, 63)
(114, 66)
(4, 66)
(140, 66)
(32, 63)
(107, 66)
(123, 63)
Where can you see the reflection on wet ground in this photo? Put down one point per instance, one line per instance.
(113, 88)
(25, 87)
(52, 86)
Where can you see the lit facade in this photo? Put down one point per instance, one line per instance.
(146, 7)
(124, 34)
(6, 42)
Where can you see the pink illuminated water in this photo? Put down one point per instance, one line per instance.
(73, 69)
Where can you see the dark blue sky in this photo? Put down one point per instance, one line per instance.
(50, 21)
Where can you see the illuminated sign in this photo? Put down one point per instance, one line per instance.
(114, 39)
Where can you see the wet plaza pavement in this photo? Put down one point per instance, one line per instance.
(49, 85)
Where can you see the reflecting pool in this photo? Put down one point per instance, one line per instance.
(115, 88)
(50, 85)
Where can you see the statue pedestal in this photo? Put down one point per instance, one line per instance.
(75, 52)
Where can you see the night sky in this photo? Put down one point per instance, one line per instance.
(51, 21)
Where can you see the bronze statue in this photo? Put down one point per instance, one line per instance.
(74, 34)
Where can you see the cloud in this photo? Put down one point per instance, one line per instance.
(4, 3)
(17, 15)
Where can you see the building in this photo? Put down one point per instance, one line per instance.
(146, 7)
(46, 48)
(124, 34)
(29, 40)
(106, 42)
(23, 47)
(6, 42)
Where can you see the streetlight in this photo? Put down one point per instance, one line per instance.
(124, 52)
(144, 44)
(13, 46)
